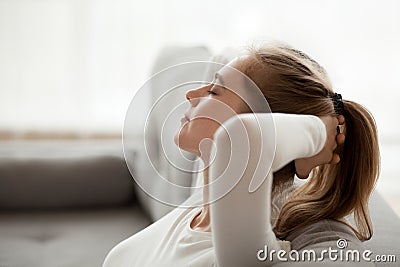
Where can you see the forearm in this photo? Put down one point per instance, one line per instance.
(241, 179)
(296, 136)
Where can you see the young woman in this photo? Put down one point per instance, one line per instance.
(308, 127)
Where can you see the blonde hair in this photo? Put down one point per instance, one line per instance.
(294, 83)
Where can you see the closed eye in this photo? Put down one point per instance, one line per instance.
(210, 92)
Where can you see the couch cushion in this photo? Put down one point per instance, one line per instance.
(72, 238)
(61, 179)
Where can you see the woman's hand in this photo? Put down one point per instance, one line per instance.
(327, 155)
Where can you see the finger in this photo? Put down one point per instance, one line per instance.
(340, 138)
(335, 159)
(336, 120)
(336, 124)
(341, 119)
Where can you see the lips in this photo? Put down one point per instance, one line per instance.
(184, 119)
(187, 117)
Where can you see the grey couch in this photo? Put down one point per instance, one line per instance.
(64, 203)
(71, 207)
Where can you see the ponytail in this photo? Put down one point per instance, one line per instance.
(294, 83)
(335, 191)
(359, 167)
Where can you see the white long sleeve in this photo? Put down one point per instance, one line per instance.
(240, 211)
(240, 220)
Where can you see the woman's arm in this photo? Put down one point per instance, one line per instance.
(246, 155)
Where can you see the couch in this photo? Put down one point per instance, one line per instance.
(68, 202)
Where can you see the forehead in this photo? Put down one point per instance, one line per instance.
(232, 77)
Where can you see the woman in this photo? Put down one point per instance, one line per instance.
(309, 121)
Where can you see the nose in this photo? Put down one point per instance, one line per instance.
(194, 95)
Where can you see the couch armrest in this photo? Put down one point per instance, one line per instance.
(386, 226)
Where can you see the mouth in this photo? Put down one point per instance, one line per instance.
(185, 118)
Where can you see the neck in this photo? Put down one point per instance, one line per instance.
(202, 221)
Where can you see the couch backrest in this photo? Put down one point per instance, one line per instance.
(170, 160)
(63, 174)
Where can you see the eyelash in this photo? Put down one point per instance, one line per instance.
(210, 92)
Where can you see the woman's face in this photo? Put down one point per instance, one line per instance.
(210, 106)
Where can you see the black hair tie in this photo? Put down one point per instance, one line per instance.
(338, 104)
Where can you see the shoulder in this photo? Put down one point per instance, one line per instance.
(324, 234)
(150, 237)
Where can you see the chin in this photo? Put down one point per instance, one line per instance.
(179, 142)
(176, 139)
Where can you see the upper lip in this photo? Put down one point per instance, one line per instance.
(187, 116)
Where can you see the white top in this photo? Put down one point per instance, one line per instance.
(240, 221)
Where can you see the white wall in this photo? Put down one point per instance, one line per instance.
(75, 64)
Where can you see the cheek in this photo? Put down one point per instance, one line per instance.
(191, 134)
(202, 128)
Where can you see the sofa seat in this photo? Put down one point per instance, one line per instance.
(64, 238)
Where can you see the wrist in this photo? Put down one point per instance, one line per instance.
(302, 168)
